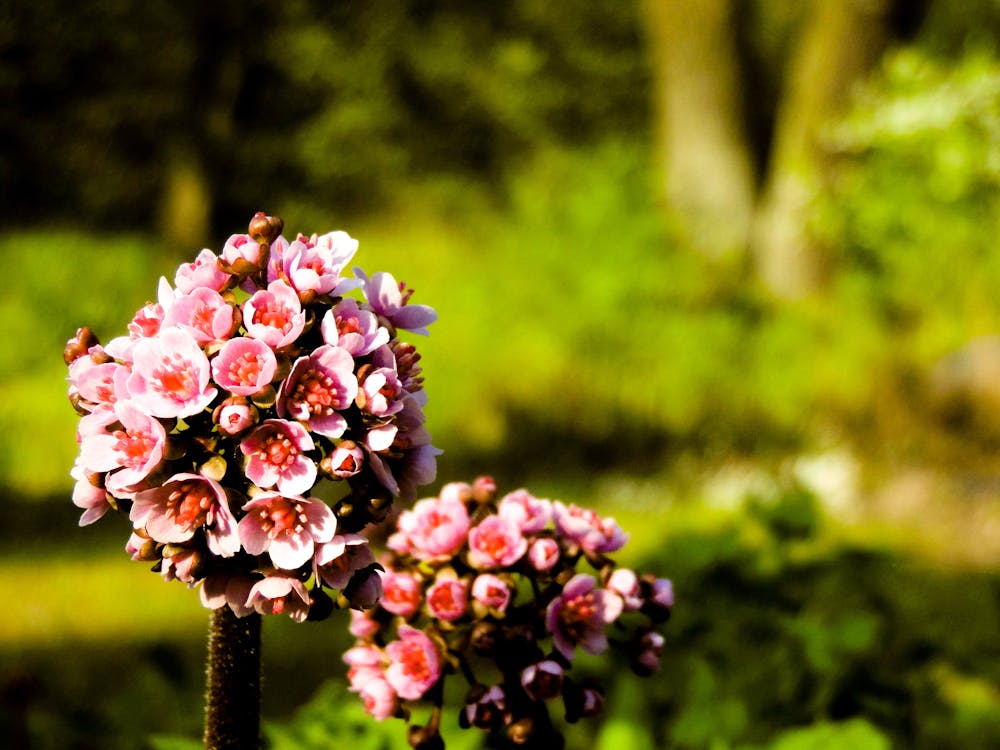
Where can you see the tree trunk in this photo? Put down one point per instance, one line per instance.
(841, 42)
(708, 172)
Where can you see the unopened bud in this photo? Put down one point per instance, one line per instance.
(365, 587)
(484, 638)
(265, 229)
(484, 489)
(79, 345)
(521, 731)
(424, 738)
(321, 605)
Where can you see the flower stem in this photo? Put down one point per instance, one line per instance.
(232, 700)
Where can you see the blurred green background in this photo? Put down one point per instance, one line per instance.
(725, 269)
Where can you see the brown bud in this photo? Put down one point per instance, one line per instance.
(521, 731)
(484, 638)
(265, 229)
(424, 738)
(80, 345)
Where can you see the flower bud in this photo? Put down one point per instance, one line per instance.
(521, 731)
(543, 553)
(79, 345)
(424, 738)
(320, 605)
(485, 708)
(265, 229)
(235, 415)
(365, 588)
(484, 638)
(542, 681)
(484, 489)
(346, 460)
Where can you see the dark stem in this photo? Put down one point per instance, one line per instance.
(232, 700)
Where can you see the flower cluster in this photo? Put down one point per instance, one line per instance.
(490, 589)
(251, 389)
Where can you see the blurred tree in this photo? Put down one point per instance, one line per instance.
(703, 75)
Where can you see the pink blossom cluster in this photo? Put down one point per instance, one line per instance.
(266, 378)
(477, 585)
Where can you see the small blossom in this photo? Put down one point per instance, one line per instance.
(578, 616)
(275, 315)
(318, 386)
(204, 314)
(180, 507)
(594, 535)
(235, 415)
(381, 392)
(651, 648)
(414, 664)
(244, 366)
(204, 272)
(353, 329)
(337, 561)
(314, 264)
(362, 626)
(527, 511)
(170, 375)
(287, 528)
(275, 457)
(447, 599)
(240, 247)
(401, 593)
(129, 453)
(491, 591)
(279, 593)
(379, 698)
(625, 583)
(345, 460)
(181, 565)
(496, 542)
(388, 300)
(543, 553)
(92, 500)
(98, 385)
(228, 589)
(435, 528)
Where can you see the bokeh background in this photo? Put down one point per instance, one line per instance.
(725, 269)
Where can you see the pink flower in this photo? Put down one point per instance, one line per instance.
(447, 599)
(594, 534)
(227, 589)
(287, 528)
(93, 500)
(625, 583)
(387, 299)
(345, 460)
(378, 697)
(491, 591)
(185, 503)
(182, 565)
(355, 330)
(338, 560)
(381, 392)
(435, 528)
(317, 387)
(496, 542)
(241, 247)
(235, 415)
(651, 649)
(204, 314)
(170, 375)
(204, 272)
(362, 626)
(662, 593)
(244, 366)
(274, 452)
(414, 664)
(543, 553)
(279, 593)
(314, 264)
(274, 316)
(99, 385)
(578, 616)
(530, 513)
(129, 453)
(401, 593)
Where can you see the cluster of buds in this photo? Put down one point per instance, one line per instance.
(490, 590)
(255, 419)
